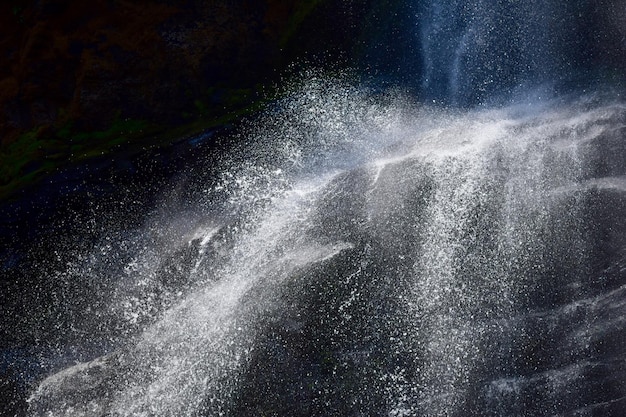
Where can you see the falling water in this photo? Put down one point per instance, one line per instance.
(473, 49)
(363, 253)
(382, 256)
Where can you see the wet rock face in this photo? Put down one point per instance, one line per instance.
(64, 58)
(92, 62)
(153, 60)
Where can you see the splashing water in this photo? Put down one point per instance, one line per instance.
(365, 255)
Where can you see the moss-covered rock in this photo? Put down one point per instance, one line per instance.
(91, 78)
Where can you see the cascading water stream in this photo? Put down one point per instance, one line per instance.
(362, 253)
(445, 264)
(480, 51)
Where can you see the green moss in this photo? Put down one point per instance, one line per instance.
(237, 97)
(28, 158)
(18, 12)
(302, 10)
(219, 100)
(16, 157)
(40, 151)
(203, 123)
(125, 128)
(201, 108)
(65, 131)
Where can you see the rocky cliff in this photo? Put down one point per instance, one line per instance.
(86, 78)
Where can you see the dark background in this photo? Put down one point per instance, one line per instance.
(103, 101)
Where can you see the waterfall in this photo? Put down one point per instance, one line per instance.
(471, 50)
(364, 252)
(486, 52)
(385, 257)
